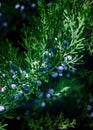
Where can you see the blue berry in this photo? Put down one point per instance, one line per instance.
(12, 71)
(26, 88)
(2, 108)
(65, 43)
(39, 83)
(25, 73)
(61, 68)
(22, 7)
(3, 89)
(68, 58)
(3, 75)
(49, 66)
(5, 24)
(60, 74)
(19, 95)
(14, 86)
(43, 104)
(17, 6)
(32, 5)
(89, 107)
(48, 54)
(48, 95)
(54, 74)
(14, 77)
(64, 67)
(51, 91)
(91, 115)
(41, 94)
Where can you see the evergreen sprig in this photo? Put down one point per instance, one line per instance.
(51, 122)
(55, 41)
(54, 44)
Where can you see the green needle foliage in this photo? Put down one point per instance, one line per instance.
(52, 28)
(54, 39)
(51, 123)
(2, 126)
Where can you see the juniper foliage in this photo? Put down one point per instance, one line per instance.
(54, 46)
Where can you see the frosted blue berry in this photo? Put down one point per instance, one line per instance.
(60, 68)
(22, 7)
(65, 43)
(14, 77)
(43, 67)
(5, 24)
(54, 74)
(26, 88)
(89, 107)
(51, 91)
(68, 58)
(3, 89)
(48, 95)
(91, 115)
(13, 86)
(43, 104)
(25, 73)
(60, 74)
(12, 71)
(17, 6)
(33, 5)
(3, 75)
(48, 54)
(2, 108)
(39, 83)
(18, 95)
(41, 94)
(16, 71)
(64, 67)
(49, 66)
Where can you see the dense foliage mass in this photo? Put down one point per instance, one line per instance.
(46, 49)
